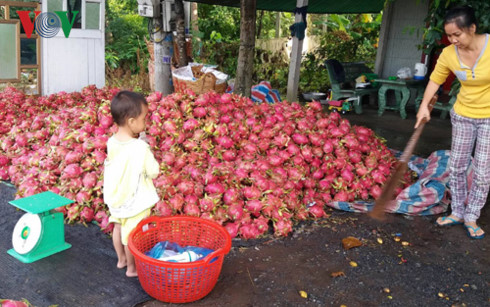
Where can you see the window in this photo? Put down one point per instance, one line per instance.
(28, 51)
(3, 9)
(88, 16)
(72, 6)
(9, 50)
(55, 5)
(19, 55)
(92, 13)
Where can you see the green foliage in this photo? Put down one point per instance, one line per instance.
(218, 39)
(337, 45)
(111, 59)
(268, 27)
(272, 67)
(215, 51)
(437, 10)
(349, 38)
(125, 32)
(226, 21)
(313, 74)
(219, 19)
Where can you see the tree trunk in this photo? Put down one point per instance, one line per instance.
(259, 28)
(278, 24)
(194, 17)
(243, 81)
(180, 39)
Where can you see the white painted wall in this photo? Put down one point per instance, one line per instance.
(69, 64)
(279, 44)
(399, 46)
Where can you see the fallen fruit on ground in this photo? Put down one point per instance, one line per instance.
(12, 303)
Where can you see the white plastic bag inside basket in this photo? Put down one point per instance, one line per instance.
(185, 73)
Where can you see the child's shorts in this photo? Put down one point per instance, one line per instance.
(128, 224)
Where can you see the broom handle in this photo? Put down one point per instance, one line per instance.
(402, 166)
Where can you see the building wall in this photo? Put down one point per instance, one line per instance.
(402, 32)
(70, 64)
(284, 44)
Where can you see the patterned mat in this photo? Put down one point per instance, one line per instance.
(427, 196)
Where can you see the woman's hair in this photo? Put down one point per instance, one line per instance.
(126, 105)
(462, 16)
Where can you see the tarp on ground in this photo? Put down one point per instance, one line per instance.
(429, 195)
(314, 6)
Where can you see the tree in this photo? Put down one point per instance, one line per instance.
(243, 81)
(435, 19)
(180, 38)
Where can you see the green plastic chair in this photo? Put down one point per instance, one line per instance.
(342, 79)
(444, 107)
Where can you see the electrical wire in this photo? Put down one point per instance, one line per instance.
(154, 27)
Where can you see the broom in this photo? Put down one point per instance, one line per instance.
(400, 169)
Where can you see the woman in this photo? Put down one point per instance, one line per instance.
(468, 57)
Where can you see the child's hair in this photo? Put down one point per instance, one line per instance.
(462, 16)
(126, 105)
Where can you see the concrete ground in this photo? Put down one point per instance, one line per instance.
(397, 131)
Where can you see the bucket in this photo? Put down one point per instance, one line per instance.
(420, 71)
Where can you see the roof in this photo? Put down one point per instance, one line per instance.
(316, 6)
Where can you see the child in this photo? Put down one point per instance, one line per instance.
(128, 172)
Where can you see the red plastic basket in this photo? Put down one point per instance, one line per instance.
(179, 282)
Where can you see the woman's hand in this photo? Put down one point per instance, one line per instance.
(423, 113)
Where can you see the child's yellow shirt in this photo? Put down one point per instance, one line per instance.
(128, 172)
(473, 99)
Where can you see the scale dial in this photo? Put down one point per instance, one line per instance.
(27, 233)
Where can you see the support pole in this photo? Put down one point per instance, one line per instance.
(295, 61)
(384, 34)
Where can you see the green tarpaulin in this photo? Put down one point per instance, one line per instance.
(314, 6)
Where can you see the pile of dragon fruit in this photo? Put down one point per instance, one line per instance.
(250, 167)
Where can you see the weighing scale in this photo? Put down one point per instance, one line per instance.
(40, 232)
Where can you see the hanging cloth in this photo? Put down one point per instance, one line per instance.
(298, 29)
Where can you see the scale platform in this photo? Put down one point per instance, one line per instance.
(40, 232)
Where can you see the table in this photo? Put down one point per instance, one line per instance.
(402, 93)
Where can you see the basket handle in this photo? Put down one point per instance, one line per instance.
(217, 253)
(144, 223)
(207, 76)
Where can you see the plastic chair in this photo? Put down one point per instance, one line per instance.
(342, 79)
(444, 107)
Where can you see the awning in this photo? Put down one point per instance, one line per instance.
(315, 7)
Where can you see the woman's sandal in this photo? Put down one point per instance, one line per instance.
(452, 223)
(474, 236)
